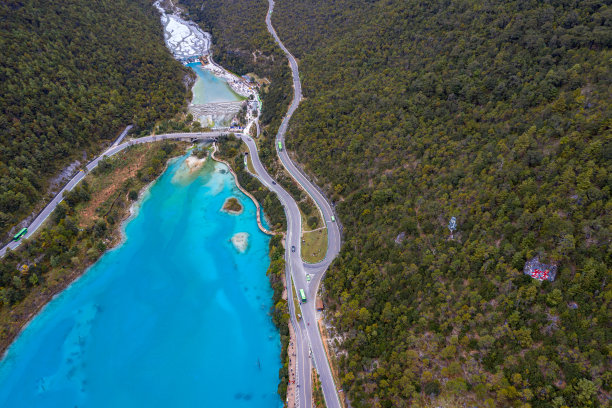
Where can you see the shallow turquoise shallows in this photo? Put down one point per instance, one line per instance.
(211, 89)
(174, 317)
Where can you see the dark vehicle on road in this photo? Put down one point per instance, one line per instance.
(292, 248)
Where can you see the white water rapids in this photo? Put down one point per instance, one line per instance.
(184, 38)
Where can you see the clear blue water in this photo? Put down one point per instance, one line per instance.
(209, 88)
(174, 317)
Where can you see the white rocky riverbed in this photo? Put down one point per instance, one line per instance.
(184, 38)
(187, 42)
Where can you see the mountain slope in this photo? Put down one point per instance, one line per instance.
(73, 73)
(499, 115)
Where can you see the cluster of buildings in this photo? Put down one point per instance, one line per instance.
(540, 271)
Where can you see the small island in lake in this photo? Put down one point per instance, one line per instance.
(233, 206)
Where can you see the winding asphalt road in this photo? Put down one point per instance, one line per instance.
(114, 149)
(306, 329)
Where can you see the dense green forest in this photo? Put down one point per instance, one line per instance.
(497, 113)
(74, 73)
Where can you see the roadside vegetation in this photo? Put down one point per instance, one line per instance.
(77, 233)
(296, 301)
(280, 310)
(495, 113)
(70, 81)
(250, 165)
(318, 399)
(314, 237)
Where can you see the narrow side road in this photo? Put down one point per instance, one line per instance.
(114, 149)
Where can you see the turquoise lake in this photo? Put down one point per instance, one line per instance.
(175, 316)
(209, 88)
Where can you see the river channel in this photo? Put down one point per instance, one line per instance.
(177, 315)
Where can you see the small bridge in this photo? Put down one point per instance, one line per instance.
(211, 136)
(189, 59)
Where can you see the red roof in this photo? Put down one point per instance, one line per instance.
(541, 275)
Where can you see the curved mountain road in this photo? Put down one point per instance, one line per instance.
(297, 268)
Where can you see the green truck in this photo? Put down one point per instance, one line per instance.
(280, 146)
(302, 296)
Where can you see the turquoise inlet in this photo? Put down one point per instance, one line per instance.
(176, 316)
(211, 89)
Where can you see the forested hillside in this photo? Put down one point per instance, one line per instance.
(74, 73)
(497, 113)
